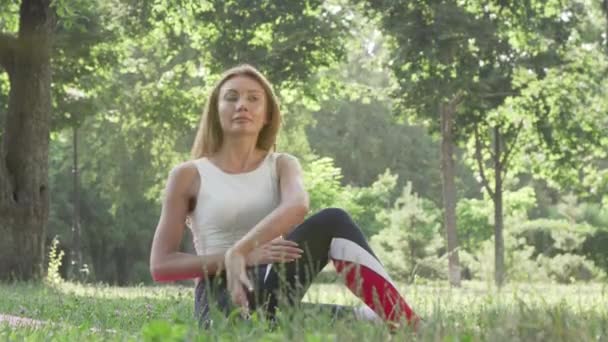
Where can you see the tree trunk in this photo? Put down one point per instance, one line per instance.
(499, 245)
(24, 203)
(122, 271)
(76, 254)
(449, 190)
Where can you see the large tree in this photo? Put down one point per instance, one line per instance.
(543, 119)
(456, 64)
(434, 66)
(24, 205)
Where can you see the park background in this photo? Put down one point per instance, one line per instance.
(466, 138)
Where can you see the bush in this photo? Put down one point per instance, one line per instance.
(404, 245)
(519, 266)
(55, 255)
(595, 249)
(539, 250)
(554, 236)
(570, 268)
(475, 217)
(323, 183)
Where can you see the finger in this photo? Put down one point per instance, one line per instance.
(285, 243)
(285, 257)
(285, 246)
(239, 297)
(287, 253)
(287, 249)
(284, 260)
(245, 281)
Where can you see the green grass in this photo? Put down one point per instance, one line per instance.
(475, 312)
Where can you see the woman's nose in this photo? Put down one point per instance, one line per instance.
(241, 105)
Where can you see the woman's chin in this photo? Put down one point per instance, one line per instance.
(243, 131)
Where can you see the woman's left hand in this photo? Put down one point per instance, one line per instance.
(236, 275)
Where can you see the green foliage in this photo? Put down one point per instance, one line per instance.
(569, 268)
(364, 140)
(410, 228)
(368, 203)
(567, 104)
(541, 250)
(54, 263)
(476, 216)
(562, 248)
(519, 264)
(4, 87)
(356, 125)
(286, 40)
(594, 248)
(164, 331)
(576, 228)
(322, 181)
(10, 18)
(554, 236)
(485, 57)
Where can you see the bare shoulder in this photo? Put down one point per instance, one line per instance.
(287, 161)
(183, 179)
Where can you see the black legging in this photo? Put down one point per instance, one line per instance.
(329, 234)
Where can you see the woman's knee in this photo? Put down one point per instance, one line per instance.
(334, 215)
(336, 219)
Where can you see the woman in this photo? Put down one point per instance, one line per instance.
(241, 199)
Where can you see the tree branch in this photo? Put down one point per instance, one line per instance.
(458, 98)
(484, 179)
(7, 51)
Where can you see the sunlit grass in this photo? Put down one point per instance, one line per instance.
(475, 312)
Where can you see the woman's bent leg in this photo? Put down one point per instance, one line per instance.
(332, 235)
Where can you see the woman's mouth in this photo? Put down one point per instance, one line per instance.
(242, 119)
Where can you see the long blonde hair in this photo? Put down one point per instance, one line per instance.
(209, 137)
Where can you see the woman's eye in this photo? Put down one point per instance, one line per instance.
(253, 98)
(231, 98)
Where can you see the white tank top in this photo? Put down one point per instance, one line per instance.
(229, 205)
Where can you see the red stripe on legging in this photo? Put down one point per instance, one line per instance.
(376, 291)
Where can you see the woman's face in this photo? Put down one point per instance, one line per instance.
(242, 106)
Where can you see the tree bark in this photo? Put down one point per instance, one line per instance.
(24, 203)
(449, 190)
(122, 272)
(499, 245)
(76, 251)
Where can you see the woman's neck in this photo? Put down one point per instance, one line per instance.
(238, 155)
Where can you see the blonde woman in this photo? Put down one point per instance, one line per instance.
(242, 198)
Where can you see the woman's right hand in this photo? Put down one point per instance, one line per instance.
(278, 250)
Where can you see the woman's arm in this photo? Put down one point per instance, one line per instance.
(167, 263)
(291, 211)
